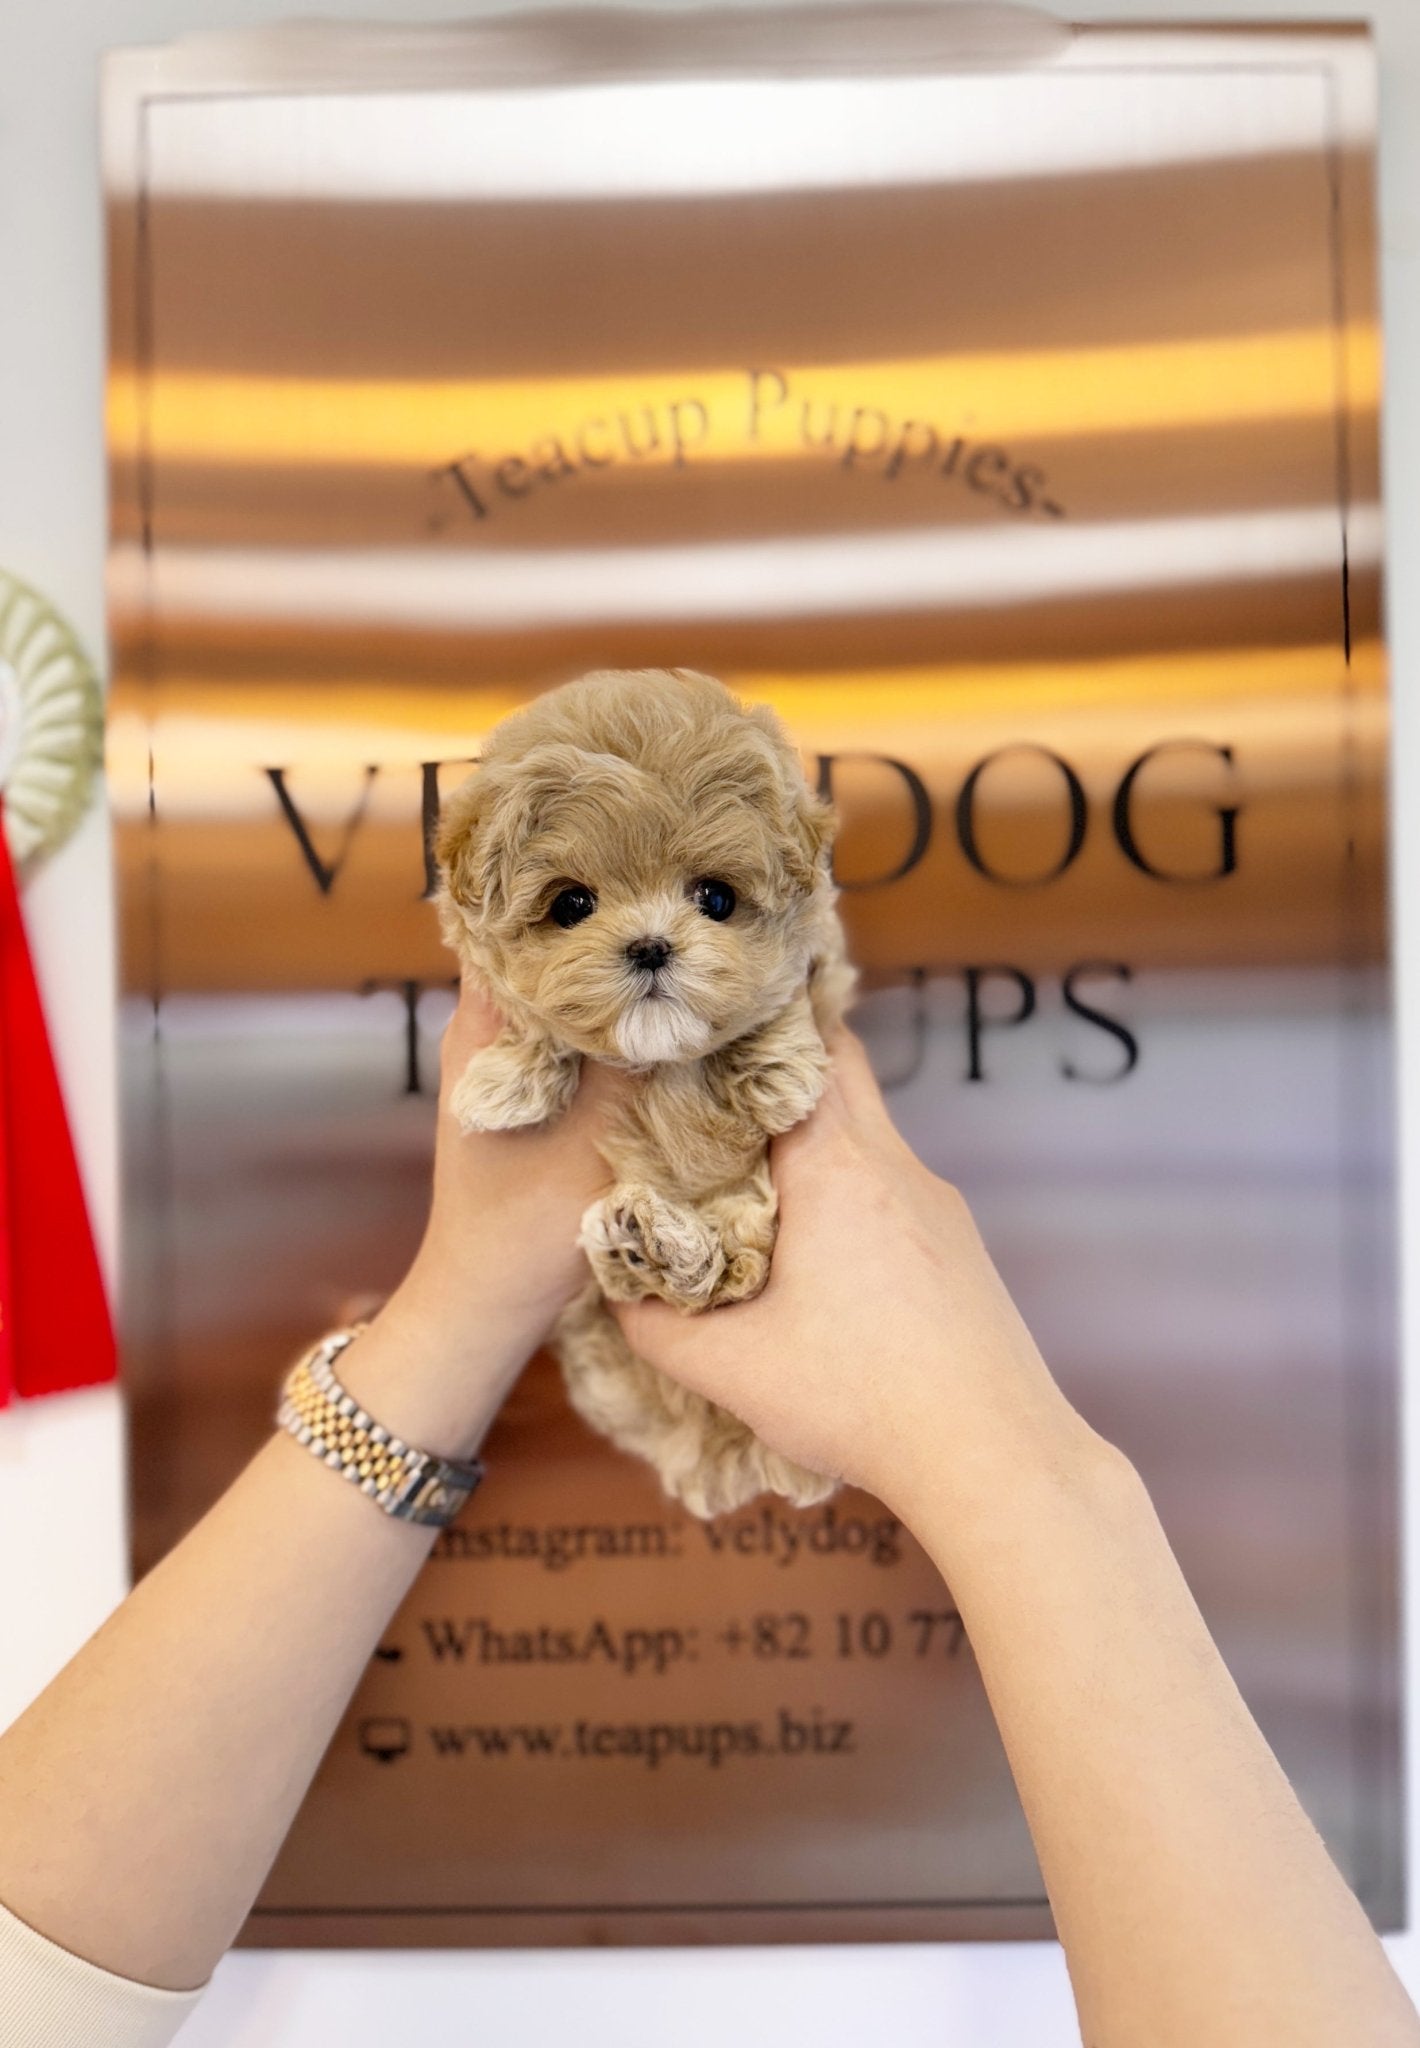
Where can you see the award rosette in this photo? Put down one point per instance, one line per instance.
(55, 1328)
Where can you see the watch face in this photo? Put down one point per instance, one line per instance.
(429, 1498)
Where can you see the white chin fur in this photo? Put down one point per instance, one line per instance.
(659, 1028)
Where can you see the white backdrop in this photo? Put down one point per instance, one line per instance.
(61, 1480)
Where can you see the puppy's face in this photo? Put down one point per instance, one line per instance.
(636, 865)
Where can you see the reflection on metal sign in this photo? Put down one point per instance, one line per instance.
(1006, 415)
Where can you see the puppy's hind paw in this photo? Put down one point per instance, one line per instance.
(639, 1244)
(744, 1276)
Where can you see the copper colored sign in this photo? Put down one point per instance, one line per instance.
(1000, 404)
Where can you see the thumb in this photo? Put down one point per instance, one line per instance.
(649, 1327)
(476, 1022)
(685, 1346)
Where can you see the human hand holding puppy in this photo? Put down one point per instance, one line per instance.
(884, 1331)
(830, 1368)
(498, 1260)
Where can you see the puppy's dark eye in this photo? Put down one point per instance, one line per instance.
(570, 906)
(714, 899)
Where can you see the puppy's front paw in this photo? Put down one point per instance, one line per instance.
(639, 1244)
(781, 1093)
(511, 1084)
(774, 1076)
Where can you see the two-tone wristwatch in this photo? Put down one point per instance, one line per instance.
(413, 1485)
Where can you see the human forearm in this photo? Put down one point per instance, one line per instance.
(144, 1795)
(1197, 1905)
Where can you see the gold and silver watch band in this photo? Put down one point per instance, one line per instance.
(411, 1484)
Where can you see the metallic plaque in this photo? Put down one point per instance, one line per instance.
(999, 402)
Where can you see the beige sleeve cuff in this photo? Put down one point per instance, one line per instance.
(52, 1999)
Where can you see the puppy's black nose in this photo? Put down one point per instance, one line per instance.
(650, 953)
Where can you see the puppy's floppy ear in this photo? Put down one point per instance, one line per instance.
(487, 824)
(483, 827)
(811, 821)
(815, 823)
(459, 845)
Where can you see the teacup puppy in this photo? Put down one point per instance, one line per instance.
(638, 873)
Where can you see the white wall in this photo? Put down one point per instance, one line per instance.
(61, 1545)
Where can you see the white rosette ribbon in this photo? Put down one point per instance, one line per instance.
(51, 724)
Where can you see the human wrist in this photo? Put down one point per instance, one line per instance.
(964, 1491)
(430, 1375)
(1000, 1524)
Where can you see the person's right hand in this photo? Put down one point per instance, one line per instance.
(885, 1348)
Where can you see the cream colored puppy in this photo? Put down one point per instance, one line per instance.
(638, 873)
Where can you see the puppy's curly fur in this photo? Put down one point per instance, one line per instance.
(638, 873)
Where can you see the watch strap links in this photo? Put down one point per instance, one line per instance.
(410, 1484)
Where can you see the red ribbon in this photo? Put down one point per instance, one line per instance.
(55, 1327)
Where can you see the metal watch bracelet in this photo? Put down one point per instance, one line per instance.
(412, 1485)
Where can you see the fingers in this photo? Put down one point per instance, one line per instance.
(476, 1022)
(599, 1088)
(599, 1085)
(851, 1097)
(477, 1009)
(853, 1073)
